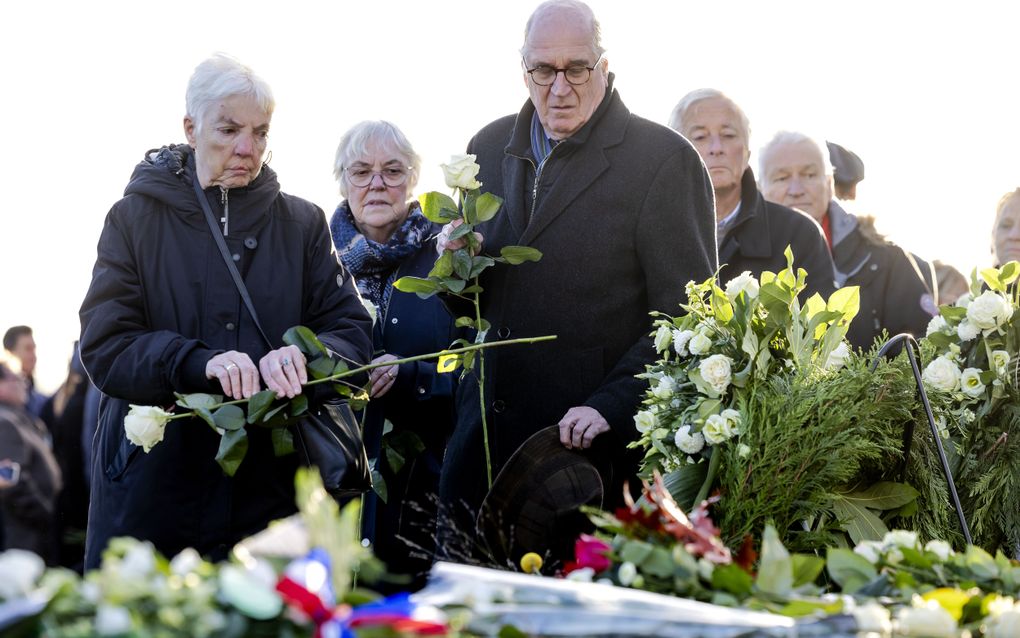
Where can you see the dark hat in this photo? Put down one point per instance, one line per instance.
(534, 502)
(847, 167)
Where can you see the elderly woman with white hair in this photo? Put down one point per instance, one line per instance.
(382, 235)
(163, 316)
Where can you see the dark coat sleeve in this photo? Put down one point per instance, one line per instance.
(904, 306)
(676, 243)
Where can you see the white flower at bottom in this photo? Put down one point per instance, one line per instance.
(942, 374)
(717, 429)
(662, 338)
(1000, 362)
(112, 620)
(144, 425)
(645, 421)
(733, 420)
(872, 617)
(900, 538)
(871, 550)
(743, 450)
(664, 389)
(742, 283)
(942, 549)
(717, 372)
(19, 571)
(967, 331)
(689, 443)
(937, 324)
(582, 575)
(925, 618)
(626, 573)
(990, 310)
(680, 339)
(970, 382)
(838, 356)
(1004, 625)
(700, 343)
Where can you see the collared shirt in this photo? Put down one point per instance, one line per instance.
(541, 145)
(723, 225)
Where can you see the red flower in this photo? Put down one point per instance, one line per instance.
(590, 552)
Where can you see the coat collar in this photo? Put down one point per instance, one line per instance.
(750, 233)
(841, 223)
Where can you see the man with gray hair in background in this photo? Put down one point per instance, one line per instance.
(621, 210)
(795, 171)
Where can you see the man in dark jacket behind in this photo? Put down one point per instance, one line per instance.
(621, 209)
(753, 233)
(894, 296)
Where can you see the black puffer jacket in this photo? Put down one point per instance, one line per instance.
(160, 305)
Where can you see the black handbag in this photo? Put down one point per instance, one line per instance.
(328, 435)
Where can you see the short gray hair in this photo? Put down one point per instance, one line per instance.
(355, 142)
(218, 78)
(792, 137)
(679, 114)
(583, 12)
(1004, 201)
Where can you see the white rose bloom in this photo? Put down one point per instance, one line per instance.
(144, 425)
(19, 571)
(461, 172)
(900, 538)
(963, 300)
(680, 339)
(871, 550)
(743, 450)
(937, 324)
(872, 618)
(664, 389)
(626, 573)
(925, 618)
(744, 282)
(716, 372)
(687, 442)
(942, 374)
(990, 310)
(970, 382)
(1004, 625)
(662, 337)
(967, 331)
(582, 575)
(716, 429)
(699, 343)
(733, 420)
(645, 421)
(942, 549)
(838, 356)
(112, 620)
(185, 562)
(1000, 362)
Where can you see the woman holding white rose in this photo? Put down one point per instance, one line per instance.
(382, 235)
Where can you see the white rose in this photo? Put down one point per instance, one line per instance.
(743, 450)
(662, 337)
(19, 571)
(990, 310)
(699, 343)
(680, 339)
(645, 421)
(838, 356)
(1005, 625)
(970, 382)
(744, 282)
(733, 420)
(626, 573)
(1000, 362)
(687, 442)
(967, 331)
(112, 620)
(871, 550)
(716, 372)
(716, 429)
(144, 425)
(937, 324)
(664, 389)
(900, 538)
(872, 617)
(942, 374)
(461, 171)
(942, 549)
(926, 618)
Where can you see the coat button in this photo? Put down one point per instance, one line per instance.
(236, 257)
(230, 325)
(421, 390)
(498, 406)
(874, 267)
(503, 332)
(251, 243)
(394, 320)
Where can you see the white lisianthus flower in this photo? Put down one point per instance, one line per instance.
(19, 571)
(925, 618)
(943, 427)
(743, 450)
(716, 371)
(967, 331)
(112, 620)
(717, 429)
(872, 618)
(1000, 362)
(645, 421)
(733, 420)
(688, 442)
(942, 549)
(144, 425)
(664, 388)
(900, 538)
(871, 550)
(937, 324)
(942, 374)
(742, 283)
(699, 343)
(582, 575)
(1005, 624)
(626, 573)
(838, 356)
(680, 339)
(970, 382)
(461, 172)
(990, 310)
(662, 338)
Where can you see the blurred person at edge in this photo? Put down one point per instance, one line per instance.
(1006, 230)
(29, 500)
(19, 341)
(382, 235)
(162, 316)
(795, 171)
(753, 234)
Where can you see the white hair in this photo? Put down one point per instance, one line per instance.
(379, 133)
(792, 137)
(218, 78)
(582, 12)
(680, 111)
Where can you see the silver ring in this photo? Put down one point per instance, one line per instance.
(389, 375)
(285, 362)
(229, 366)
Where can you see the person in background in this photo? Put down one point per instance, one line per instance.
(848, 171)
(952, 283)
(20, 342)
(753, 233)
(382, 235)
(28, 496)
(163, 316)
(1006, 230)
(795, 171)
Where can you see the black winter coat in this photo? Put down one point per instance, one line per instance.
(623, 214)
(756, 239)
(160, 305)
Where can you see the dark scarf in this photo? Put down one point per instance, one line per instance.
(375, 265)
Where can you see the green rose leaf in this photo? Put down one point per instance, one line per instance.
(442, 268)
(198, 400)
(1009, 273)
(775, 569)
(478, 264)
(379, 485)
(659, 563)
(283, 441)
(454, 285)
(636, 552)
(464, 322)
(321, 367)
(515, 255)
(299, 405)
(487, 206)
(259, 404)
(846, 301)
(341, 367)
(424, 288)
(952, 313)
(233, 447)
(462, 263)
(206, 415)
(437, 207)
(229, 417)
(991, 277)
(461, 231)
(849, 569)
(721, 305)
(305, 340)
(806, 569)
(733, 579)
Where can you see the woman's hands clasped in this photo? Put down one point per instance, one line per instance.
(282, 370)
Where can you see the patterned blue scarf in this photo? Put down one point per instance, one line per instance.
(374, 265)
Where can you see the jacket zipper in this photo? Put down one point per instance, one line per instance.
(538, 176)
(225, 220)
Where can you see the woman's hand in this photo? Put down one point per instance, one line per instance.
(237, 374)
(284, 371)
(444, 243)
(382, 378)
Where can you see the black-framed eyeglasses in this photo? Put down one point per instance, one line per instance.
(577, 74)
(362, 176)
